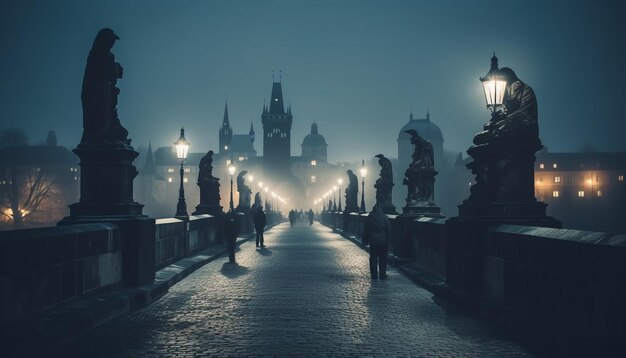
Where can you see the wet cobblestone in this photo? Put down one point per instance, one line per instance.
(307, 294)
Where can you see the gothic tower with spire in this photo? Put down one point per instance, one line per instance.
(277, 134)
(226, 132)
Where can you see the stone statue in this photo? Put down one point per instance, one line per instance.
(419, 177)
(504, 153)
(101, 124)
(244, 192)
(352, 192)
(383, 186)
(209, 187)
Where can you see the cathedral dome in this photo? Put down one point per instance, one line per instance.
(314, 139)
(424, 127)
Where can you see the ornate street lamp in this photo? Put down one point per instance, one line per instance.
(231, 171)
(339, 181)
(182, 147)
(363, 171)
(267, 206)
(494, 85)
(334, 201)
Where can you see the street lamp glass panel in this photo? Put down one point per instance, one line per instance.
(340, 181)
(231, 170)
(363, 172)
(266, 189)
(182, 146)
(494, 91)
(334, 187)
(251, 178)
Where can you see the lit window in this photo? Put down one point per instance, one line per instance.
(169, 180)
(599, 193)
(555, 194)
(187, 170)
(225, 147)
(228, 161)
(557, 179)
(170, 170)
(313, 178)
(185, 180)
(75, 178)
(275, 99)
(241, 159)
(554, 165)
(541, 166)
(581, 193)
(314, 162)
(620, 178)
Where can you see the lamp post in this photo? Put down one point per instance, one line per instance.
(363, 174)
(267, 205)
(182, 147)
(339, 181)
(231, 171)
(334, 201)
(494, 85)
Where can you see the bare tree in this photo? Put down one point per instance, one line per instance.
(23, 187)
(24, 191)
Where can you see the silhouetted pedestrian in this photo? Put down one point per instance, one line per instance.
(377, 232)
(260, 220)
(292, 217)
(311, 215)
(231, 230)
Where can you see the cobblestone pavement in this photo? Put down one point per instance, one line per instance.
(308, 293)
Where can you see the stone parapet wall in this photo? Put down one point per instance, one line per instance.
(40, 268)
(569, 280)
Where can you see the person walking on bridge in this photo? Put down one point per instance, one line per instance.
(377, 232)
(260, 220)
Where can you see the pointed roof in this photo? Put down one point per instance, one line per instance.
(148, 166)
(251, 128)
(226, 122)
(276, 101)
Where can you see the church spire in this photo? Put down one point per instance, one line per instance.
(276, 101)
(225, 121)
(427, 114)
(148, 167)
(251, 132)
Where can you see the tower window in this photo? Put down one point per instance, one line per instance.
(581, 193)
(599, 193)
(555, 194)
(169, 180)
(228, 161)
(313, 162)
(554, 165)
(620, 178)
(557, 179)
(170, 170)
(187, 170)
(313, 179)
(541, 166)
(241, 158)
(275, 99)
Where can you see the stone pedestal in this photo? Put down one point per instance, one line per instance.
(106, 195)
(215, 210)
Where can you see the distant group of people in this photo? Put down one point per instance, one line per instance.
(300, 216)
(376, 233)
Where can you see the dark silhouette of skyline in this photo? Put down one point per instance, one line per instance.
(353, 67)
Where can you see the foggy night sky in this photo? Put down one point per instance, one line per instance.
(354, 67)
